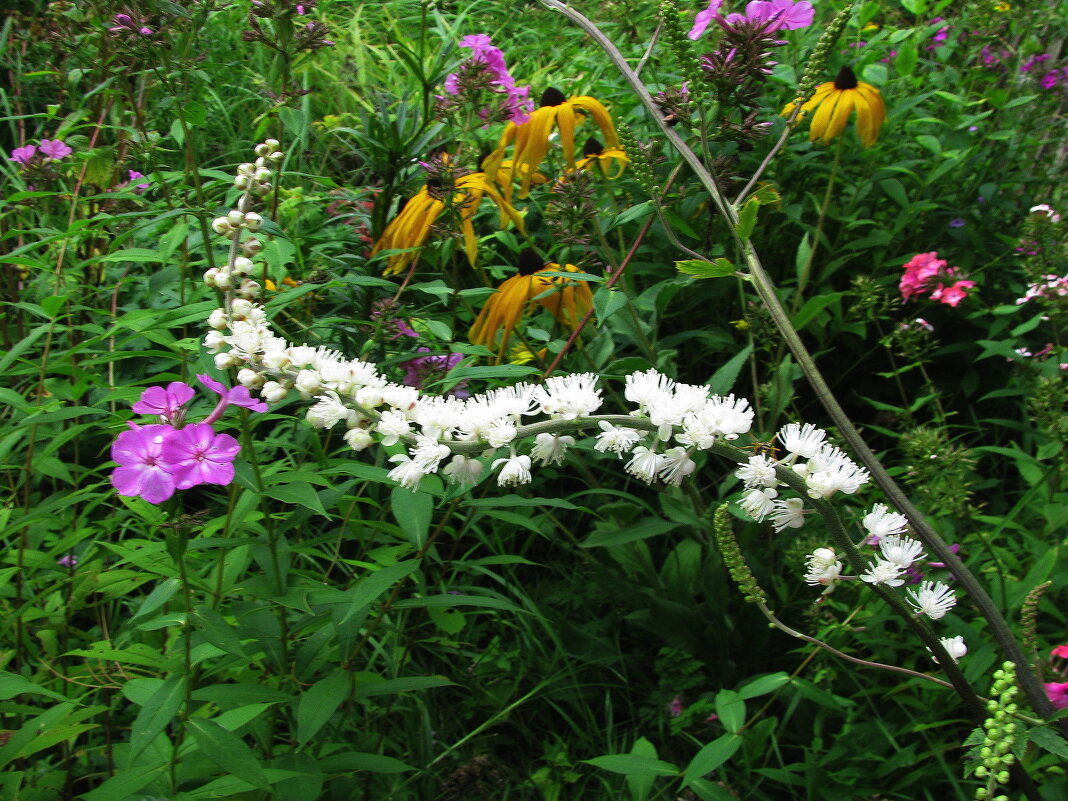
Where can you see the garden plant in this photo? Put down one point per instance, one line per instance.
(533, 399)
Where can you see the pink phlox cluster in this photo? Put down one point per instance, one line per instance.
(518, 100)
(1057, 692)
(939, 36)
(156, 460)
(1050, 286)
(48, 150)
(994, 58)
(926, 273)
(139, 187)
(125, 24)
(1032, 62)
(774, 15)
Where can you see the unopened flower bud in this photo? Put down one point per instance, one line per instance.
(218, 319)
(242, 266)
(225, 361)
(276, 157)
(213, 341)
(262, 150)
(221, 226)
(240, 308)
(249, 288)
(241, 182)
(260, 163)
(358, 439)
(224, 280)
(272, 144)
(308, 381)
(235, 218)
(272, 392)
(253, 221)
(275, 360)
(246, 168)
(263, 174)
(250, 247)
(250, 378)
(210, 275)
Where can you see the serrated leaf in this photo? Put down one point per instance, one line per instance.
(747, 218)
(1048, 739)
(698, 268)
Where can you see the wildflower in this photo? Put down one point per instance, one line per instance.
(954, 294)
(234, 396)
(428, 453)
(165, 402)
(957, 222)
(616, 440)
(328, 412)
(425, 369)
(550, 448)
(566, 299)
(704, 19)
(1045, 208)
(933, 599)
(758, 503)
(196, 454)
(410, 229)
(54, 150)
(902, 551)
(1057, 692)
(775, 15)
(644, 464)
(881, 522)
(569, 396)
(954, 646)
(610, 160)
(675, 708)
(882, 572)
(789, 513)
(142, 469)
(1060, 651)
(531, 139)
(675, 465)
(802, 440)
(515, 470)
(463, 470)
(834, 103)
(831, 471)
(823, 567)
(70, 560)
(484, 55)
(758, 472)
(924, 270)
(407, 473)
(23, 155)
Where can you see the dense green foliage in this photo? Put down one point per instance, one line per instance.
(312, 630)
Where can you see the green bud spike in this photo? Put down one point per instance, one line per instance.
(639, 159)
(733, 559)
(817, 62)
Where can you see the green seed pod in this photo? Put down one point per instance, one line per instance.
(817, 62)
(732, 557)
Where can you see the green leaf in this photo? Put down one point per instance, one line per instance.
(446, 601)
(227, 750)
(501, 371)
(814, 306)
(607, 302)
(374, 763)
(763, 685)
(508, 501)
(413, 512)
(633, 765)
(723, 379)
(711, 757)
(907, 55)
(299, 493)
(122, 786)
(377, 583)
(896, 191)
(641, 784)
(11, 684)
(730, 707)
(698, 268)
(136, 255)
(1049, 740)
(747, 218)
(319, 703)
(369, 685)
(160, 709)
(641, 530)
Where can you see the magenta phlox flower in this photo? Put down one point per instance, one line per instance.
(166, 402)
(775, 15)
(704, 19)
(517, 98)
(953, 294)
(143, 470)
(1032, 62)
(137, 176)
(941, 34)
(70, 560)
(54, 149)
(23, 155)
(1057, 692)
(235, 396)
(1060, 651)
(196, 455)
(920, 269)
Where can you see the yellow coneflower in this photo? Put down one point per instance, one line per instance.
(567, 300)
(410, 228)
(834, 103)
(531, 138)
(611, 160)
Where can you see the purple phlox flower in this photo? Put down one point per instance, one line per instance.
(957, 222)
(775, 15)
(422, 369)
(134, 176)
(166, 402)
(1057, 692)
(70, 560)
(1049, 80)
(143, 471)
(1029, 65)
(857, 44)
(235, 396)
(517, 98)
(403, 329)
(23, 155)
(54, 149)
(704, 19)
(675, 707)
(197, 455)
(941, 34)
(889, 57)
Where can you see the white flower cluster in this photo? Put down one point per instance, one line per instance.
(251, 179)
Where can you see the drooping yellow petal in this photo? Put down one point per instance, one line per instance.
(840, 112)
(871, 115)
(565, 124)
(594, 108)
(821, 92)
(408, 231)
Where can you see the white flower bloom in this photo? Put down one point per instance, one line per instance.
(900, 550)
(789, 513)
(463, 470)
(250, 378)
(616, 440)
(438, 417)
(512, 401)
(369, 396)
(675, 465)
(301, 355)
(569, 396)
(272, 392)
(831, 471)
(758, 472)
(823, 567)
(501, 432)
(758, 503)
(428, 453)
(933, 599)
(402, 398)
(882, 572)
(308, 382)
(954, 646)
(802, 440)
(729, 416)
(275, 359)
(213, 341)
(358, 438)
(881, 522)
(644, 464)
(515, 471)
(328, 412)
(648, 388)
(393, 425)
(550, 448)
(407, 473)
(218, 319)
